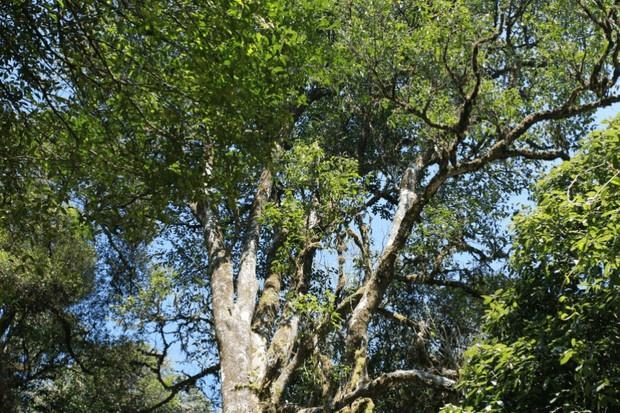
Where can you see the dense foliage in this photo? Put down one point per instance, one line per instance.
(282, 205)
(552, 338)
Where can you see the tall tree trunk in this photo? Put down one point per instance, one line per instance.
(240, 368)
(242, 352)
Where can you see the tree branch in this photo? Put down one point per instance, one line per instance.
(416, 278)
(247, 283)
(399, 318)
(529, 154)
(182, 385)
(499, 149)
(387, 380)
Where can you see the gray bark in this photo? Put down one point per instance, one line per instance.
(242, 352)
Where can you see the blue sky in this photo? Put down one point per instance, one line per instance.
(607, 113)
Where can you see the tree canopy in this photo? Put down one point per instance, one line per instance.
(208, 182)
(551, 338)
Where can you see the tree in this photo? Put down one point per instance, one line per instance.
(551, 337)
(40, 278)
(124, 385)
(219, 151)
(54, 357)
(55, 351)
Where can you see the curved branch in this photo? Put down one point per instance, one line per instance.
(500, 149)
(182, 385)
(387, 380)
